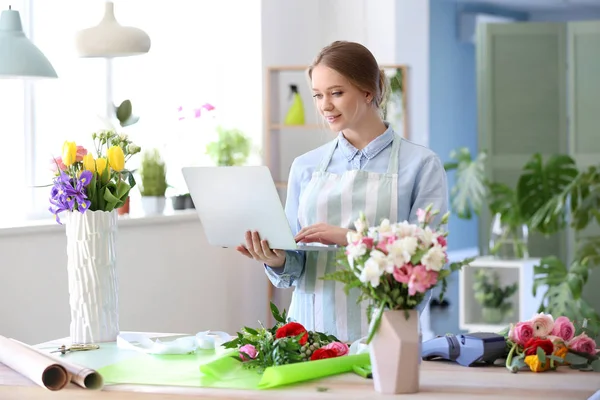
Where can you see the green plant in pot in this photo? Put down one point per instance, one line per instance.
(492, 296)
(232, 147)
(153, 174)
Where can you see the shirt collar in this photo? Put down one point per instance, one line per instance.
(372, 149)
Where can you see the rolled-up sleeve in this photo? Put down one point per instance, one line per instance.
(286, 276)
(431, 187)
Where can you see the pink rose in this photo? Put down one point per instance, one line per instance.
(563, 328)
(543, 324)
(340, 348)
(56, 164)
(442, 241)
(367, 241)
(583, 344)
(403, 273)
(249, 350)
(521, 332)
(421, 279)
(81, 151)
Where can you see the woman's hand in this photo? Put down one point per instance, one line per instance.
(259, 250)
(323, 233)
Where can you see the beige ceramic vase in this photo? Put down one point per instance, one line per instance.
(395, 353)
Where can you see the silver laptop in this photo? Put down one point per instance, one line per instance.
(233, 200)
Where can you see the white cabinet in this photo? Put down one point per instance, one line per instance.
(524, 304)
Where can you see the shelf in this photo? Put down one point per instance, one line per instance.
(483, 327)
(304, 126)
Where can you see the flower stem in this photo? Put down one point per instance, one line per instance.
(509, 366)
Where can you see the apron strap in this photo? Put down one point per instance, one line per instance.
(394, 155)
(324, 163)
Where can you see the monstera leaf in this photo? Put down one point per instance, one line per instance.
(470, 190)
(504, 201)
(540, 184)
(563, 291)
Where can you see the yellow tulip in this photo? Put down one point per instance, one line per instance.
(100, 165)
(116, 158)
(69, 153)
(88, 163)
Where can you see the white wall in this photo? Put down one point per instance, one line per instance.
(170, 280)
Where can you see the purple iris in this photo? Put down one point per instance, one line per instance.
(68, 194)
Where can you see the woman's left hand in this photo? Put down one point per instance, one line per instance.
(323, 233)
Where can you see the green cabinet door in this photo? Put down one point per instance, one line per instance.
(522, 108)
(584, 119)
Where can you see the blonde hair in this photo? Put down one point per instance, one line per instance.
(357, 64)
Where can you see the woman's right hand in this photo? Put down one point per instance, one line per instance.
(259, 250)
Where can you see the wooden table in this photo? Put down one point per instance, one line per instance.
(439, 380)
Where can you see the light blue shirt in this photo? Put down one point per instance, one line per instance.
(421, 181)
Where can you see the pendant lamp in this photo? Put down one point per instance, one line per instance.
(110, 39)
(19, 57)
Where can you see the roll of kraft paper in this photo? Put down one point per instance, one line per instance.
(33, 365)
(82, 376)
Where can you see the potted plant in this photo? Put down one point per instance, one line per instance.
(182, 201)
(232, 147)
(153, 174)
(548, 197)
(492, 296)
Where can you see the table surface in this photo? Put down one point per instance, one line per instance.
(438, 379)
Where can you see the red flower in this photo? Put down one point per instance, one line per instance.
(292, 329)
(322, 354)
(532, 345)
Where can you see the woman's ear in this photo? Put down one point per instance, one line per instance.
(368, 97)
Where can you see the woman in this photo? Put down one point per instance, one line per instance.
(366, 168)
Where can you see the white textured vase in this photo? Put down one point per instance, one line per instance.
(93, 285)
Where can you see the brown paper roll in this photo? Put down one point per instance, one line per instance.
(85, 377)
(40, 369)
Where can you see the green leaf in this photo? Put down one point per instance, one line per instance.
(574, 359)
(469, 191)
(251, 331)
(541, 355)
(596, 365)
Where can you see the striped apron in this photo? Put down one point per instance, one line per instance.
(337, 200)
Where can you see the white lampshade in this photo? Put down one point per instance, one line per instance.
(111, 39)
(19, 57)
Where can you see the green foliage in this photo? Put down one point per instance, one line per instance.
(110, 190)
(231, 148)
(470, 191)
(124, 114)
(563, 294)
(489, 293)
(154, 174)
(272, 351)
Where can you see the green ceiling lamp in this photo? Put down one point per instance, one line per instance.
(110, 39)
(19, 57)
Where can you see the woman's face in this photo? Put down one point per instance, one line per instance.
(341, 103)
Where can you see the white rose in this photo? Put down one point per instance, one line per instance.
(353, 237)
(371, 273)
(404, 229)
(360, 225)
(427, 237)
(356, 251)
(434, 259)
(385, 263)
(402, 250)
(385, 226)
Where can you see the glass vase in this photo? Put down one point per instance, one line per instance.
(507, 241)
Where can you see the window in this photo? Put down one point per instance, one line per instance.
(196, 57)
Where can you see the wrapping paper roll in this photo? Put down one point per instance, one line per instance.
(40, 368)
(85, 377)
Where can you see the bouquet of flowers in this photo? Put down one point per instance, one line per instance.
(93, 181)
(393, 265)
(543, 343)
(287, 342)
